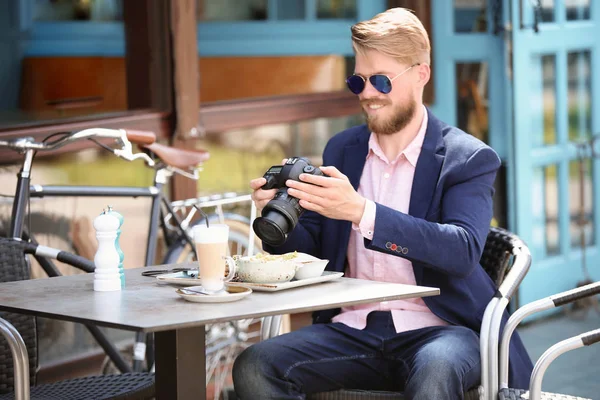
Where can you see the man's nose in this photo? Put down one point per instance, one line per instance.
(369, 91)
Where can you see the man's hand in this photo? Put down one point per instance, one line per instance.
(331, 196)
(259, 196)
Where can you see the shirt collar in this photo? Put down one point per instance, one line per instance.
(411, 152)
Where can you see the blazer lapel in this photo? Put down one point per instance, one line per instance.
(353, 163)
(427, 172)
(355, 156)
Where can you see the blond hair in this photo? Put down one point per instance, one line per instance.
(397, 33)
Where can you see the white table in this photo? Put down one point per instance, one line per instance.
(145, 305)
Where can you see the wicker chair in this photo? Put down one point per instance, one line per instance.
(506, 259)
(13, 267)
(503, 251)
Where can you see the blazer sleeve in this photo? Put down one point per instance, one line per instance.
(304, 238)
(455, 244)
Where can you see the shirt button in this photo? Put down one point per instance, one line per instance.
(369, 233)
(386, 175)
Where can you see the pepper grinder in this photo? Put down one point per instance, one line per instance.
(118, 246)
(106, 260)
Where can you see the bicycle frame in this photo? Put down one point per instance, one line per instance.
(24, 191)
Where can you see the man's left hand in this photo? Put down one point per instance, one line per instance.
(331, 196)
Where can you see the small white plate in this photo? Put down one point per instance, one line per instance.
(231, 293)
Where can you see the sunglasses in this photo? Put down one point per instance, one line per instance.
(383, 84)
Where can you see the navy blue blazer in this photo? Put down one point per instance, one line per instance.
(443, 233)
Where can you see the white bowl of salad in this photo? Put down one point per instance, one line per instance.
(266, 268)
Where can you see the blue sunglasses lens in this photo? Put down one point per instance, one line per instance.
(355, 83)
(381, 83)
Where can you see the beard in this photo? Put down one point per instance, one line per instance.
(402, 114)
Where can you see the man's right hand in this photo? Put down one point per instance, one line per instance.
(259, 196)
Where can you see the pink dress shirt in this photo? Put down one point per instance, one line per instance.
(388, 183)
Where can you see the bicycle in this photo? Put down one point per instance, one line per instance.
(175, 218)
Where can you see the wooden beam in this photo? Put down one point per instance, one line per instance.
(147, 120)
(225, 115)
(216, 116)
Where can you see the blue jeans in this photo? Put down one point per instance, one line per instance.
(429, 363)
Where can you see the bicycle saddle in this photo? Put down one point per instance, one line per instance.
(178, 158)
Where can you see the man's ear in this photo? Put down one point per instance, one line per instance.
(424, 74)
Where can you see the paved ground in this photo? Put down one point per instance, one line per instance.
(576, 372)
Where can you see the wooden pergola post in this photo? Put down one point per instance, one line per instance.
(162, 69)
(186, 85)
(148, 55)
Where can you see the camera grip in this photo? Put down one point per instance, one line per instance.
(271, 183)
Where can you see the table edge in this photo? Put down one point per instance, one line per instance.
(149, 329)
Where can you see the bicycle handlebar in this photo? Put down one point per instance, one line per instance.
(126, 137)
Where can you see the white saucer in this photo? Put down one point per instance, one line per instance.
(231, 293)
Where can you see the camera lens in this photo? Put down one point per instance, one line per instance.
(281, 214)
(271, 228)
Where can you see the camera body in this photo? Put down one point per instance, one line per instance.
(280, 216)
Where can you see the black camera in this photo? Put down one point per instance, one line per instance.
(281, 214)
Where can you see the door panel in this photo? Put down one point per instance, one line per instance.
(555, 106)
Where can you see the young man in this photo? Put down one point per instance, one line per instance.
(406, 199)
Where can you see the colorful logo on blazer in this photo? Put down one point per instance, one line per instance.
(395, 248)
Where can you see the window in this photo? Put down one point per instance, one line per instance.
(70, 10)
(470, 16)
(278, 10)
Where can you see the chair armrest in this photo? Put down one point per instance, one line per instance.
(533, 307)
(575, 342)
(20, 359)
(484, 339)
(517, 273)
(492, 320)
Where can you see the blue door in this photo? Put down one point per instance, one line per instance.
(555, 105)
